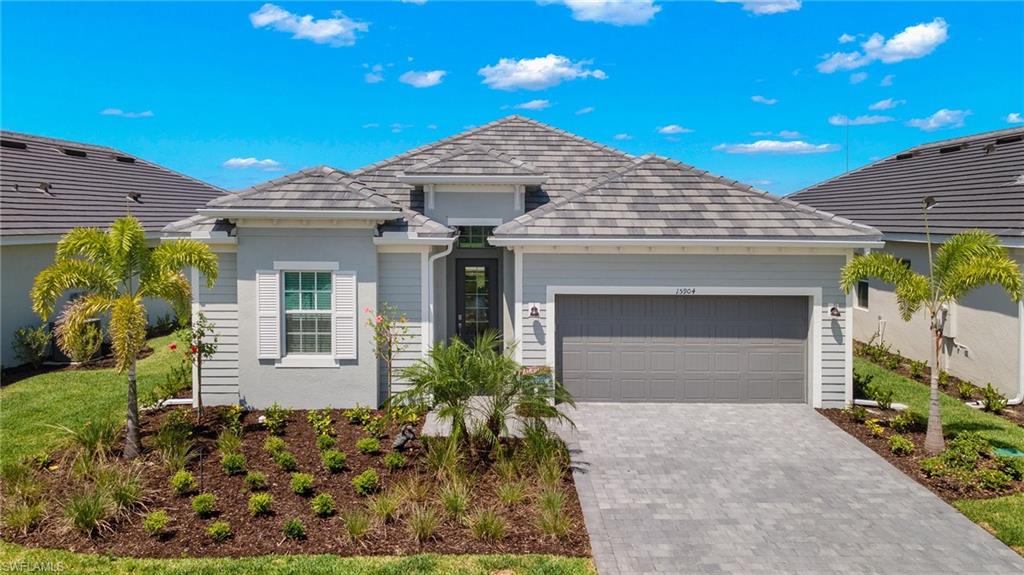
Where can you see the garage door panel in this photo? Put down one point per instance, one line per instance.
(662, 361)
(726, 389)
(634, 389)
(761, 389)
(697, 389)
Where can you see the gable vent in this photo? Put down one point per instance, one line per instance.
(124, 159)
(135, 197)
(949, 149)
(13, 145)
(1010, 139)
(905, 156)
(44, 188)
(74, 152)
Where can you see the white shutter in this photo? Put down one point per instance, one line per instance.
(268, 313)
(345, 315)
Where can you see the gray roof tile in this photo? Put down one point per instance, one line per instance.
(473, 159)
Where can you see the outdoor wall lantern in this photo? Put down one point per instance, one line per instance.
(833, 310)
(534, 310)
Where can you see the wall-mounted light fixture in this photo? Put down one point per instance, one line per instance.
(833, 310)
(534, 310)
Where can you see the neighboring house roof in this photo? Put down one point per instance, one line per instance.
(48, 186)
(473, 159)
(656, 197)
(978, 181)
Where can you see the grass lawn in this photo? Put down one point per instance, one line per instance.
(1003, 516)
(956, 416)
(70, 398)
(15, 557)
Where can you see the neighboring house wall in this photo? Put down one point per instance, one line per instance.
(220, 306)
(541, 270)
(400, 285)
(466, 204)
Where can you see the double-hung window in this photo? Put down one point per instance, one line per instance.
(307, 313)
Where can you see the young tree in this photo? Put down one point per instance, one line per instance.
(966, 261)
(390, 336)
(198, 334)
(116, 270)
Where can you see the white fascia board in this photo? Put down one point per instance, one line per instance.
(403, 239)
(471, 179)
(866, 243)
(229, 213)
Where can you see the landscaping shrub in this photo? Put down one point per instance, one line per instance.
(413, 489)
(366, 483)
(333, 460)
(385, 506)
(375, 426)
(231, 417)
(368, 445)
(229, 442)
(917, 369)
(358, 415)
(274, 445)
(325, 442)
(80, 345)
(511, 492)
(321, 421)
(933, 466)
(30, 345)
(857, 413)
(540, 445)
(882, 395)
(487, 525)
(219, 531)
(892, 361)
(174, 440)
(233, 463)
(944, 378)
(261, 504)
(88, 510)
(965, 389)
(275, 418)
(454, 497)
(285, 460)
(992, 479)
(94, 437)
(861, 381)
(255, 481)
(900, 445)
(183, 482)
(302, 484)
(550, 473)
(908, 421)
(394, 461)
(22, 516)
(551, 500)
(122, 485)
(875, 427)
(992, 399)
(156, 522)
(442, 457)
(965, 450)
(422, 523)
(294, 529)
(322, 505)
(356, 523)
(1011, 466)
(506, 468)
(204, 504)
(553, 523)
(404, 414)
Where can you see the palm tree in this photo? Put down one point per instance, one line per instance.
(116, 270)
(966, 261)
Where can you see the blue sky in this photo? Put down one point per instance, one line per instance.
(236, 93)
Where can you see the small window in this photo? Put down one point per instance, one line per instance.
(474, 236)
(307, 312)
(862, 294)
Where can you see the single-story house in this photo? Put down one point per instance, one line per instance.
(49, 186)
(636, 278)
(978, 183)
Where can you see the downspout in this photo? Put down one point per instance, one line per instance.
(1019, 398)
(430, 286)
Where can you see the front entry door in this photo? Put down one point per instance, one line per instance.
(476, 297)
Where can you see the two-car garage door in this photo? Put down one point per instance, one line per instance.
(682, 348)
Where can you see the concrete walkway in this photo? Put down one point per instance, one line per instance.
(759, 489)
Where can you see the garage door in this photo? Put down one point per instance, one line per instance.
(682, 348)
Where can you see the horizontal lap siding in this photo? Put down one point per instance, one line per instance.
(667, 270)
(400, 286)
(220, 306)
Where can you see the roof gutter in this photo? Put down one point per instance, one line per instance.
(591, 241)
(411, 240)
(471, 179)
(430, 287)
(229, 213)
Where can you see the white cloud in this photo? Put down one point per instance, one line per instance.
(122, 114)
(887, 80)
(846, 38)
(339, 30)
(424, 79)
(762, 100)
(886, 104)
(858, 77)
(622, 137)
(536, 73)
(762, 182)
(1015, 118)
(585, 110)
(766, 7)
(843, 120)
(396, 127)
(941, 120)
(375, 75)
(761, 133)
(417, 2)
(371, 125)
(913, 42)
(431, 126)
(789, 134)
(616, 12)
(776, 147)
(534, 105)
(672, 129)
(266, 164)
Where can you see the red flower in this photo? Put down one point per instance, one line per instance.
(195, 349)
(172, 346)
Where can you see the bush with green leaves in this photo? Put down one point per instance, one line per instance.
(368, 445)
(275, 418)
(944, 378)
(861, 382)
(550, 473)
(992, 399)
(229, 442)
(965, 389)
(857, 413)
(404, 414)
(908, 421)
(358, 415)
(385, 506)
(892, 361)
(294, 529)
(356, 523)
(422, 523)
(320, 419)
(487, 525)
(233, 463)
(917, 369)
(875, 427)
(366, 483)
(274, 444)
(80, 344)
(511, 492)
(992, 479)
(443, 456)
(204, 504)
(174, 440)
(88, 510)
(333, 460)
(183, 482)
(302, 484)
(95, 437)
(231, 418)
(394, 461)
(261, 504)
(285, 460)
(123, 486)
(934, 467)
(31, 344)
(23, 515)
(965, 451)
(255, 481)
(219, 531)
(325, 442)
(322, 505)
(551, 500)
(553, 522)
(882, 395)
(155, 523)
(413, 489)
(900, 445)
(454, 497)
(1011, 466)
(376, 426)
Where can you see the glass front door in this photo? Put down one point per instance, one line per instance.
(476, 296)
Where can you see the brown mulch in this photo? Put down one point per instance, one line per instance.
(259, 536)
(947, 488)
(15, 374)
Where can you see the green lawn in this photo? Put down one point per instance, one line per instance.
(956, 416)
(70, 398)
(66, 562)
(1003, 516)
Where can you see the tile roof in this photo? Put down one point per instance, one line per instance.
(653, 196)
(48, 186)
(473, 159)
(978, 181)
(322, 187)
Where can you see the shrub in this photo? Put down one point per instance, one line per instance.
(274, 444)
(261, 504)
(882, 394)
(900, 445)
(321, 421)
(366, 483)
(122, 486)
(422, 523)
(553, 523)
(333, 460)
(356, 523)
(917, 369)
(368, 445)
(992, 479)
(22, 515)
(302, 484)
(30, 345)
(80, 345)
(88, 511)
(856, 413)
(204, 504)
(231, 417)
(964, 451)
(908, 421)
(944, 378)
(454, 498)
(322, 505)
(229, 442)
(891, 361)
(965, 389)
(511, 492)
(325, 442)
(487, 525)
(875, 427)
(506, 468)
(1011, 466)
(385, 506)
(358, 415)
(442, 456)
(255, 481)
(174, 440)
(394, 461)
(376, 426)
(539, 444)
(413, 489)
(275, 418)
(992, 400)
(294, 529)
(933, 467)
(183, 482)
(233, 463)
(550, 473)
(861, 382)
(94, 437)
(551, 500)
(285, 460)
(219, 531)
(407, 414)
(156, 523)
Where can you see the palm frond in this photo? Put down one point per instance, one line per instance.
(69, 274)
(171, 286)
(127, 246)
(127, 329)
(77, 313)
(89, 243)
(961, 246)
(177, 255)
(974, 271)
(912, 289)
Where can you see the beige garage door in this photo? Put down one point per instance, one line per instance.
(682, 348)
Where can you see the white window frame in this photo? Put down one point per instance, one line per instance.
(305, 360)
(856, 296)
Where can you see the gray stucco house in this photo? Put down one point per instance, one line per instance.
(978, 182)
(48, 186)
(635, 278)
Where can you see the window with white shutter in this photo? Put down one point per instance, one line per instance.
(268, 304)
(345, 315)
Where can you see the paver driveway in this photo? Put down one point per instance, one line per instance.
(759, 489)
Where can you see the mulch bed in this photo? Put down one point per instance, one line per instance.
(947, 488)
(259, 536)
(15, 374)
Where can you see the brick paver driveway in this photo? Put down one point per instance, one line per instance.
(759, 489)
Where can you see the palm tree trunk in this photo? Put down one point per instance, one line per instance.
(933, 440)
(131, 439)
